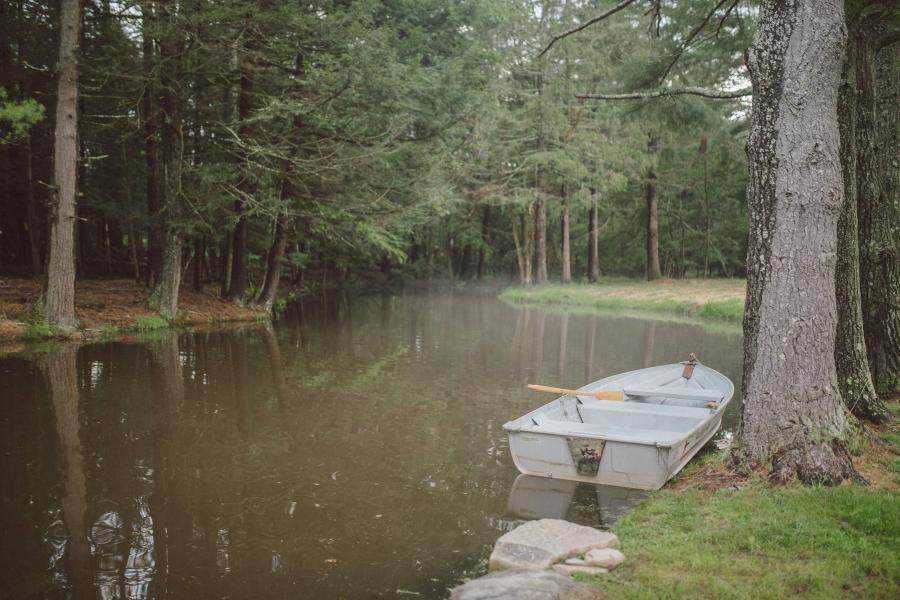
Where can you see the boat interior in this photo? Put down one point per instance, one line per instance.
(657, 409)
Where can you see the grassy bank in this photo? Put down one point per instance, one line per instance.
(105, 307)
(717, 535)
(721, 299)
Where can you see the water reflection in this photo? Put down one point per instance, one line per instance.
(353, 449)
(594, 505)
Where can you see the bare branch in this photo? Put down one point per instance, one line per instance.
(587, 24)
(682, 91)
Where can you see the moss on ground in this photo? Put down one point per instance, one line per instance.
(718, 299)
(711, 535)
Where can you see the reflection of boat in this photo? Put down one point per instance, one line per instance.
(589, 504)
(668, 413)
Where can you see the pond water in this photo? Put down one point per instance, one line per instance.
(353, 450)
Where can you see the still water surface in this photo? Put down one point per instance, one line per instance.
(354, 450)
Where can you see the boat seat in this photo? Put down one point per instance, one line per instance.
(594, 429)
(662, 409)
(680, 393)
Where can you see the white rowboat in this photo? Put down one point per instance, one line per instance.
(666, 415)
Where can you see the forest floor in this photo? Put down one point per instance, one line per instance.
(721, 299)
(107, 306)
(718, 533)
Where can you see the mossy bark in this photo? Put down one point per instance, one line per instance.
(854, 379)
(792, 414)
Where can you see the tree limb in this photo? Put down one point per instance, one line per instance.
(693, 91)
(690, 38)
(586, 24)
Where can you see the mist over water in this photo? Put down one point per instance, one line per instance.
(353, 450)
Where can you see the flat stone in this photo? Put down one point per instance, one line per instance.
(578, 562)
(540, 544)
(608, 558)
(520, 584)
(583, 569)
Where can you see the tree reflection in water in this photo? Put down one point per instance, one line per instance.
(345, 452)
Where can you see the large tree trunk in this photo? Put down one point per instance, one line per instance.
(238, 287)
(652, 268)
(59, 297)
(165, 296)
(792, 412)
(540, 241)
(880, 228)
(154, 237)
(593, 241)
(566, 256)
(851, 359)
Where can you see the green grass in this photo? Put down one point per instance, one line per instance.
(38, 330)
(681, 298)
(767, 542)
(149, 323)
(760, 542)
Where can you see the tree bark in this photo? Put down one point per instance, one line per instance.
(151, 149)
(652, 269)
(851, 359)
(792, 412)
(238, 287)
(566, 257)
(165, 296)
(276, 256)
(879, 227)
(540, 241)
(593, 240)
(59, 297)
(34, 222)
(199, 253)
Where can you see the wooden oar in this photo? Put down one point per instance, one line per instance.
(599, 395)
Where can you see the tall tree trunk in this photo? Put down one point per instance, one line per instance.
(34, 222)
(276, 256)
(485, 240)
(199, 253)
(652, 267)
(59, 296)
(225, 266)
(593, 240)
(238, 287)
(878, 180)
(851, 359)
(154, 237)
(165, 296)
(792, 412)
(540, 241)
(566, 256)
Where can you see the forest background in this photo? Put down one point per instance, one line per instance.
(351, 141)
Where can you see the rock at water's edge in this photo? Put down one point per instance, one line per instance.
(538, 545)
(608, 558)
(521, 584)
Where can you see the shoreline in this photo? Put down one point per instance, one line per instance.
(711, 300)
(109, 308)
